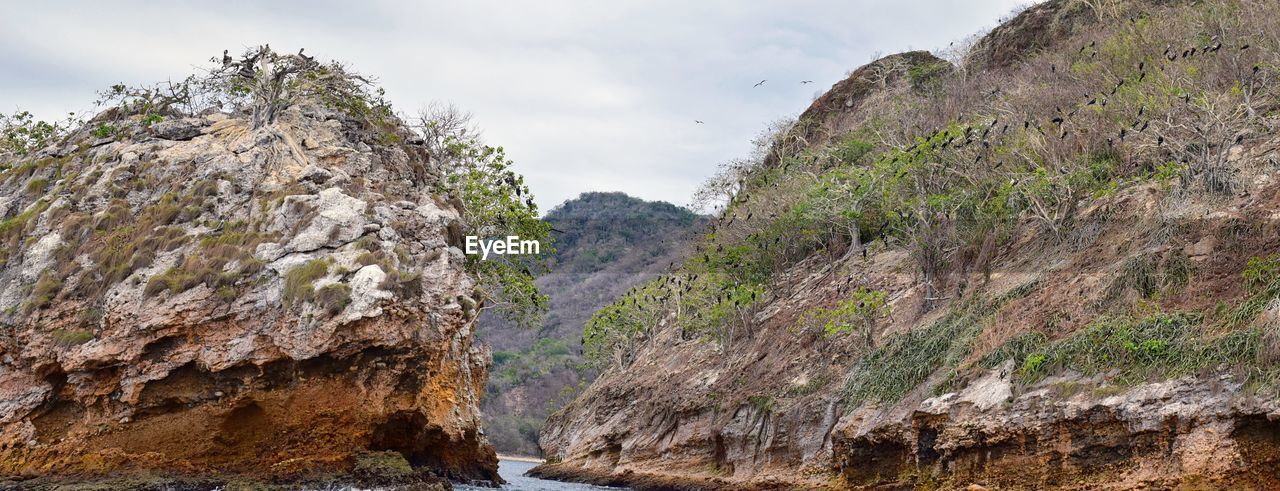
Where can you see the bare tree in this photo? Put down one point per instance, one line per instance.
(441, 122)
(265, 83)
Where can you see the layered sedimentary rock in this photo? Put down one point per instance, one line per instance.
(189, 294)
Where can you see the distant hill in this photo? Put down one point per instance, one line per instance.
(607, 243)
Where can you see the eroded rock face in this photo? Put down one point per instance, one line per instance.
(1177, 432)
(197, 296)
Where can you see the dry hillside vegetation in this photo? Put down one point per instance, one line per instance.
(1019, 232)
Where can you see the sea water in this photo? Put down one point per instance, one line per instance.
(513, 472)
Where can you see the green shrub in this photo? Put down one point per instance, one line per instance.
(891, 370)
(45, 289)
(1261, 273)
(501, 357)
(927, 75)
(403, 283)
(1164, 346)
(175, 280)
(104, 130)
(227, 293)
(852, 149)
(762, 403)
(1033, 363)
(298, 281)
(333, 297)
(71, 337)
(37, 186)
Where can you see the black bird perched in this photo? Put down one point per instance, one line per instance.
(759, 83)
(226, 59)
(1242, 48)
(305, 57)
(1160, 141)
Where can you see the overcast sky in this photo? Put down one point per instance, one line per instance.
(584, 95)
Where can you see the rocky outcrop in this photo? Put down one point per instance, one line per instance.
(196, 296)
(841, 108)
(1192, 430)
(1132, 344)
(1036, 29)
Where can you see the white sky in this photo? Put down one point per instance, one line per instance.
(585, 95)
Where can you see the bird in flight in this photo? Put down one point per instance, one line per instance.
(698, 121)
(802, 82)
(759, 83)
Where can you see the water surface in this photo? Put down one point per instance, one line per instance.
(513, 471)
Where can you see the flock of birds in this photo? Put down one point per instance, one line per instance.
(247, 66)
(670, 287)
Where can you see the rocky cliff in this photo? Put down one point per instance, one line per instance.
(991, 282)
(219, 291)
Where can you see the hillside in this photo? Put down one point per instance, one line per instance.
(607, 243)
(1050, 262)
(246, 277)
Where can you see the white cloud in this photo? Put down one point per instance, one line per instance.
(584, 95)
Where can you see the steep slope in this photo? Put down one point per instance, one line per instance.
(977, 276)
(217, 292)
(608, 242)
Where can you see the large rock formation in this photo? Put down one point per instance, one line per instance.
(1133, 346)
(191, 294)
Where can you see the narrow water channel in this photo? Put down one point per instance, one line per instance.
(513, 472)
